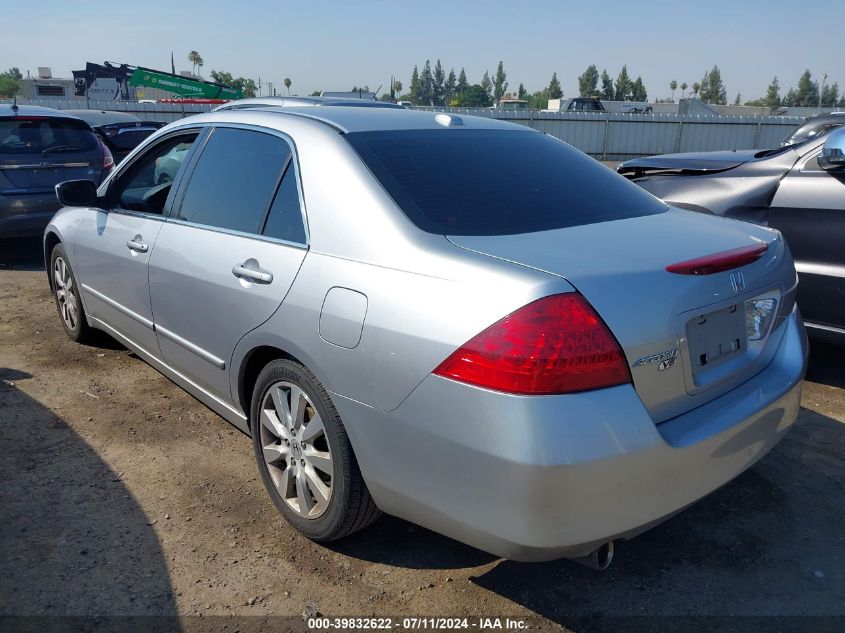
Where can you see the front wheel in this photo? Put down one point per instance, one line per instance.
(304, 455)
(66, 294)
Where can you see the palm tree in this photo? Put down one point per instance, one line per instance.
(673, 86)
(193, 57)
(683, 89)
(397, 88)
(200, 64)
(287, 84)
(695, 88)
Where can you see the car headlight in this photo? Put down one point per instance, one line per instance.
(759, 314)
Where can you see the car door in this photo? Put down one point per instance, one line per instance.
(113, 244)
(227, 256)
(809, 209)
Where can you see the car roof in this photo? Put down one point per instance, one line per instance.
(7, 110)
(104, 117)
(293, 102)
(355, 119)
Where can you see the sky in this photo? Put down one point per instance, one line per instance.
(333, 45)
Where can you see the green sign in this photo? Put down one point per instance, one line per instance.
(183, 86)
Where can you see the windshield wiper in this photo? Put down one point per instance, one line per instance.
(61, 148)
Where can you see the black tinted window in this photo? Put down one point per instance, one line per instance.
(496, 182)
(234, 180)
(284, 221)
(39, 135)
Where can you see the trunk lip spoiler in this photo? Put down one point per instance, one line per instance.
(721, 261)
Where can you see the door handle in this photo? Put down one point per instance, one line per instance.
(136, 244)
(250, 270)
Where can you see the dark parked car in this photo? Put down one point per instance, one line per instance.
(39, 148)
(121, 132)
(798, 189)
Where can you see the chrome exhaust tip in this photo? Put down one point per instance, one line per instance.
(600, 558)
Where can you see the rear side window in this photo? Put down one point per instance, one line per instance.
(234, 180)
(496, 182)
(284, 221)
(45, 135)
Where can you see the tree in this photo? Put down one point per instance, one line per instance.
(287, 83)
(487, 85)
(194, 57)
(712, 88)
(463, 84)
(588, 81)
(415, 86)
(426, 90)
(638, 92)
(772, 98)
(684, 87)
(438, 90)
(474, 97)
(738, 99)
(10, 82)
(624, 85)
(522, 92)
(695, 88)
(451, 83)
(222, 77)
(830, 95)
(554, 91)
(247, 86)
(607, 92)
(807, 94)
(673, 86)
(397, 87)
(499, 83)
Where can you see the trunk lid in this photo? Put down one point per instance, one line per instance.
(691, 162)
(664, 321)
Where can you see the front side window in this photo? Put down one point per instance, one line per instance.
(146, 184)
(235, 180)
(496, 182)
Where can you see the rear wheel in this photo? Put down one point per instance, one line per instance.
(304, 455)
(66, 294)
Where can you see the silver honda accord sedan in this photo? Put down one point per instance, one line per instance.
(455, 320)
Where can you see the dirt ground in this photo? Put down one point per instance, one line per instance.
(122, 495)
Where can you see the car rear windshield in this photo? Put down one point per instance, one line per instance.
(496, 182)
(39, 135)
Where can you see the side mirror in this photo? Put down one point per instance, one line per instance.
(77, 193)
(832, 157)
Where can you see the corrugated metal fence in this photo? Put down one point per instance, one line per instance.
(616, 136)
(605, 135)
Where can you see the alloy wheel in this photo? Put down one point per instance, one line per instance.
(296, 449)
(65, 293)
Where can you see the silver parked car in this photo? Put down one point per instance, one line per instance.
(459, 321)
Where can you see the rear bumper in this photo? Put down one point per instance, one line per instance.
(538, 478)
(26, 215)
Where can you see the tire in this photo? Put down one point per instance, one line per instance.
(324, 500)
(66, 294)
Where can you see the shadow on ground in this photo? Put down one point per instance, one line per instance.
(73, 541)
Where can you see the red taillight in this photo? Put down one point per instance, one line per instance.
(557, 344)
(718, 262)
(108, 159)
